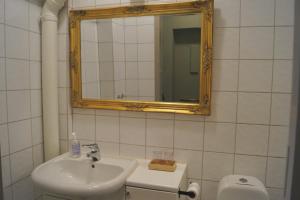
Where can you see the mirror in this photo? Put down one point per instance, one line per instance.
(147, 58)
(143, 58)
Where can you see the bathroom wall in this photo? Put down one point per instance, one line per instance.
(20, 96)
(248, 129)
(246, 133)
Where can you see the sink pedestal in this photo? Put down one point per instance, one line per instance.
(118, 195)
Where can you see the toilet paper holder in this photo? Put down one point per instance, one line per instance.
(185, 193)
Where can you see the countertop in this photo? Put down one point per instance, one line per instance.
(156, 180)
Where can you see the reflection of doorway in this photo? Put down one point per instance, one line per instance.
(186, 64)
(179, 57)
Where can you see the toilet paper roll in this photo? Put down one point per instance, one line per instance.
(195, 188)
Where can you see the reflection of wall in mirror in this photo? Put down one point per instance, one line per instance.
(118, 58)
(90, 60)
(97, 59)
(139, 56)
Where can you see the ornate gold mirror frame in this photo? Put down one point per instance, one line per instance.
(205, 7)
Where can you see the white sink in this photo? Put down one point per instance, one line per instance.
(76, 177)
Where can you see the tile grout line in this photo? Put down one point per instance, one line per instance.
(146, 124)
(238, 85)
(173, 134)
(202, 152)
(119, 140)
(249, 92)
(271, 95)
(30, 98)
(95, 127)
(253, 59)
(10, 160)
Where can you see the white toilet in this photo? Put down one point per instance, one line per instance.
(239, 187)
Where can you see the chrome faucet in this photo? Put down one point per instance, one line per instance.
(94, 151)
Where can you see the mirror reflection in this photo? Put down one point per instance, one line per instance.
(150, 58)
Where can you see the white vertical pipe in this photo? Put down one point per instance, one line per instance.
(49, 77)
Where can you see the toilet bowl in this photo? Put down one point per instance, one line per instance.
(239, 187)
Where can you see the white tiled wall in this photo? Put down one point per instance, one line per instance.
(246, 133)
(20, 95)
(248, 129)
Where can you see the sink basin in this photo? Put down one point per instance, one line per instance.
(75, 177)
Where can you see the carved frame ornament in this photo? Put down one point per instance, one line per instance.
(205, 7)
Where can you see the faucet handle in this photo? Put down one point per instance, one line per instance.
(94, 147)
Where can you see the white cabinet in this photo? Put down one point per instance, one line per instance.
(145, 184)
(134, 193)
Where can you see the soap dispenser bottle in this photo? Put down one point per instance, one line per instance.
(75, 146)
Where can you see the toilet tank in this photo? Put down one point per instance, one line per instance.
(239, 187)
